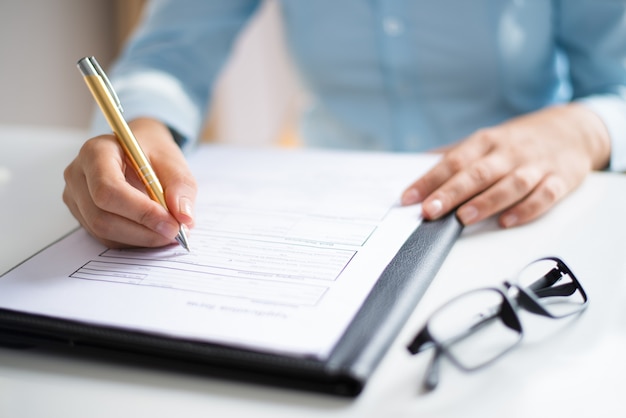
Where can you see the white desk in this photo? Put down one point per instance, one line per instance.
(31, 183)
(562, 368)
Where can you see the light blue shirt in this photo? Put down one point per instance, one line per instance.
(401, 75)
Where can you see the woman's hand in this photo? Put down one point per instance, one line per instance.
(519, 169)
(106, 196)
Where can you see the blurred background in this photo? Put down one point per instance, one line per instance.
(257, 97)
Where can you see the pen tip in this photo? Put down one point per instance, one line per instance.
(182, 238)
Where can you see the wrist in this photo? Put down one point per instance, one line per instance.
(593, 132)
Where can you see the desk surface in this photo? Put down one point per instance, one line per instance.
(562, 368)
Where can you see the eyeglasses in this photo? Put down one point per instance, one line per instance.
(478, 327)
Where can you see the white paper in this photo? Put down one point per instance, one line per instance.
(287, 246)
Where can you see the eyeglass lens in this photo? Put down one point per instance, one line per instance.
(479, 326)
(554, 286)
(472, 328)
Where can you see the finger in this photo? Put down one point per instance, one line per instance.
(465, 184)
(69, 201)
(112, 194)
(100, 189)
(118, 231)
(170, 166)
(179, 186)
(548, 192)
(509, 190)
(455, 160)
(75, 185)
(107, 227)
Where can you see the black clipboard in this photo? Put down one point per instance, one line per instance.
(344, 373)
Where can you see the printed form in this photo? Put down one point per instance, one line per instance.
(287, 246)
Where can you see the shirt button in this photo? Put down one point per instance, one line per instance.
(392, 26)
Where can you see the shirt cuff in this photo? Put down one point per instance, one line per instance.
(612, 110)
(159, 96)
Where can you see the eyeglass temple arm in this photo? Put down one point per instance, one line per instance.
(546, 281)
(543, 287)
(421, 342)
(566, 289)
(431, 377)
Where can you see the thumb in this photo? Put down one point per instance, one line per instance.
(170, 166)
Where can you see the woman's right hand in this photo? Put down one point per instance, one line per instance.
(105, 195)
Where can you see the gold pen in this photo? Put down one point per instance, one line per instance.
(110, 105)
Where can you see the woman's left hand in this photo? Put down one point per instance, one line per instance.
(519, 169)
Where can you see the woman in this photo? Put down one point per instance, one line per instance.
(523, 97)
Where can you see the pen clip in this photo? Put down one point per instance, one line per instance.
(90, 66)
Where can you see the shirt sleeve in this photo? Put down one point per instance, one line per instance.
(167, 69)
(592, 34)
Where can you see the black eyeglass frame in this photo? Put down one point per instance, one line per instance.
(528, 298)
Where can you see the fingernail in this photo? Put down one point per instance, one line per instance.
(410, 197)
(185, 207)
(468, 214)
(509, 220)
(433, 208)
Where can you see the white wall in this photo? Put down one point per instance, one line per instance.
(259, 95)
(41, 40)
